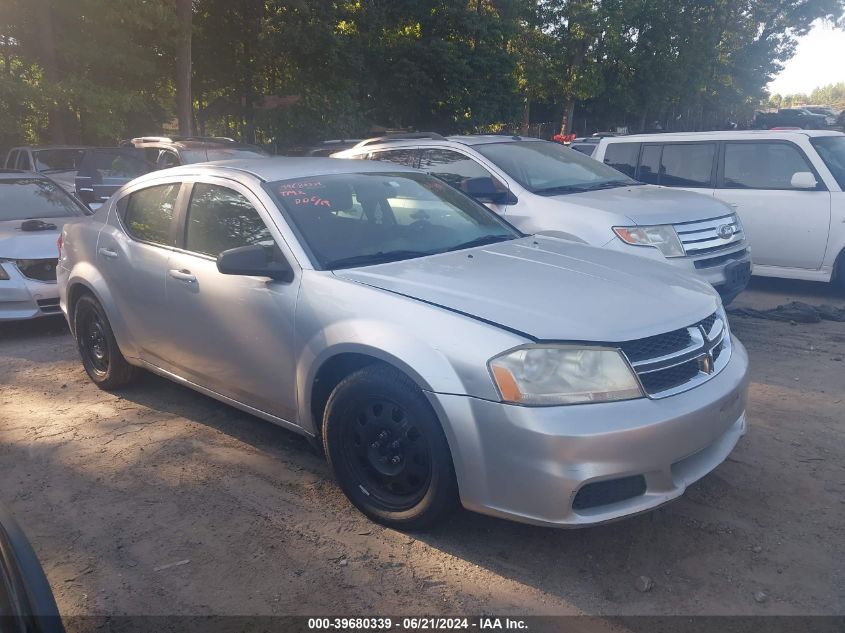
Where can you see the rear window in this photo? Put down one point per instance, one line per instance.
(148, 213)
(30, 198)
(118, 163)
(47, 160)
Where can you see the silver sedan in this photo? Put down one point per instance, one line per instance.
(435, 353)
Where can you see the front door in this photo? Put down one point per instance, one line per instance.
(235, 333)
(785, 226)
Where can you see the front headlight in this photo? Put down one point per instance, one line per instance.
(563, 374)
(662, 237)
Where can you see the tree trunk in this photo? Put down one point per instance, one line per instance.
(56, 114)
(568, 111)
(184, 99)
(526, 116)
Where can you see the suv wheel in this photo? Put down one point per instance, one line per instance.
(97, 346)
(387, 450)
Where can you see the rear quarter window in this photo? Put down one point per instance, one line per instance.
(148, 213)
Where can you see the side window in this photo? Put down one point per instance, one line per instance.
(11, 158)
(151, 154)
(687, 165)
(455, 168)
(220, 219)
(623, 156)
(650, 164)
(148, 213)
(407, 157)
(762, 165)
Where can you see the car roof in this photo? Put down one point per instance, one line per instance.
(726, 135)
(278, 168)
(438, 141)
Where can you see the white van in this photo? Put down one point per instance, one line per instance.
(786, 186)
(539, 186)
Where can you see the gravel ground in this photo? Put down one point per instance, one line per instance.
(158, 500)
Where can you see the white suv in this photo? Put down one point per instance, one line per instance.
(539, 186)
(786, 186)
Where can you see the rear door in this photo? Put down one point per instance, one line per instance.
(132, 253)
(785, 226)
(233, 334)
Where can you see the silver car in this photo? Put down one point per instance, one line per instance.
(33, 210)
(433, 351)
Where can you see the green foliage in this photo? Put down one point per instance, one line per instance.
(101, 70)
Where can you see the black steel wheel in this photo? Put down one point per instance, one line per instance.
(97, 346)
(387, 449)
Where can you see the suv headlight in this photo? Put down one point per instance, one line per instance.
(546, 375)
(662, 237)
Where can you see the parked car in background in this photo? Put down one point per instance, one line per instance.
(165, 151)
(434, 351)
(33, 210)
(103, 171)
(586, 145)
(830, 115)
(59, 162)
(542, 186)
(791, 117)
(27, 604)
(786, 186)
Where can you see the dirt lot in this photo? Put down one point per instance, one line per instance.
(116, 490)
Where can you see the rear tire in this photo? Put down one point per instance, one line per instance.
(387, 450)
(97, 346)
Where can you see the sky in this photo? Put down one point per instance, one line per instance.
(818, 61)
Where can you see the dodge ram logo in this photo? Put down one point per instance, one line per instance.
(725, 231)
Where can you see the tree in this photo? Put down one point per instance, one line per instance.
(184, 98)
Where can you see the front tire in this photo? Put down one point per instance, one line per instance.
(97, 346)
(387, 450)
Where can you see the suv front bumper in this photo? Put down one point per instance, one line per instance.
(529, 463)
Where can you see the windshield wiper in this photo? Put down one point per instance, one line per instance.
(481, 241)
(609, 184)
(374, 258)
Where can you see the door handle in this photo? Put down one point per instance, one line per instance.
(182, 275)
(107, 252)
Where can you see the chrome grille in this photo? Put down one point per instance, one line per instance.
(670, 363)
(709, 236)
(38, 269)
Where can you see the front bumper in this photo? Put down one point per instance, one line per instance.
(529, 463)
(24, 298)
(714, 268)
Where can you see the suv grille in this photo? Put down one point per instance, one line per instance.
(669, 363)
(38, 269)
(709, 236)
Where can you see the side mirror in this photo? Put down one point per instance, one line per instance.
(487, 190)
(255, 261)
(803, 180)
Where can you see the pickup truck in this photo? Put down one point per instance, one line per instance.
(791, 117)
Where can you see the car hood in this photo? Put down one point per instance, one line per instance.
(551, 289)
(17, 244)
(649, 204)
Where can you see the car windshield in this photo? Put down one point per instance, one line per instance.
(47, 160)
(349, 220)
(27, 198)
(210, 155)
(549, 168)
(832, 152)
